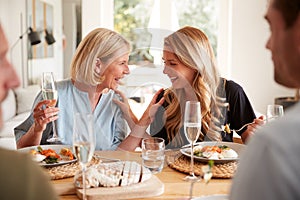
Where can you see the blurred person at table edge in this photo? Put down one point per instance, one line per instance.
(21, 178)
(190, 64)
(99, 64)
(269, 168)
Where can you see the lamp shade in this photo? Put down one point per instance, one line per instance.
(33, 37)
(49, 38)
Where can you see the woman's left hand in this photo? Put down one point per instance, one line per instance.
(151, 110)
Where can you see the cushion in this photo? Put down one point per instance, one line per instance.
(9, 125)
(25, 98)
(9, 106)
(8, 143)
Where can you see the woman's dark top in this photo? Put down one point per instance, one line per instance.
(238, 113)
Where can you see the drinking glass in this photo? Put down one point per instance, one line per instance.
(192, 129)
(153, 154)
(50, 93)
(83, 142)
(274, 111)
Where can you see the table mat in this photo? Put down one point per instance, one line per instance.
(67, 170)
(181, 163)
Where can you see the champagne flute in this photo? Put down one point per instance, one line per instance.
(274, 111)
(83, 142)
(192, 129)
(50, 93)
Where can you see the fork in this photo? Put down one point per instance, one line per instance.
(249, 124)
(226, 128)
(242, 127)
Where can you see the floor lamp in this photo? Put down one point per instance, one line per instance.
(34, 39)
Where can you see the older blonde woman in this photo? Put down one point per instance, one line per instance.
(190, 64)
(100, 62)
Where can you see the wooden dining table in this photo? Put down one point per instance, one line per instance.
(174, 185)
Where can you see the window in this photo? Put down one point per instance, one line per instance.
(202, 14)
(133, 17)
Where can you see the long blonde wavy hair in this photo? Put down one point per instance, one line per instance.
(193, 49)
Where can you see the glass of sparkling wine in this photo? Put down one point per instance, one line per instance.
(50, 93)
(83, 142)
(192, 130)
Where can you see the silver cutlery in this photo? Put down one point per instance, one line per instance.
(247, 125)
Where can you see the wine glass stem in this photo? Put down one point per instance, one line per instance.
(54, 129)
(192, 160)
(191, 190)
(83, 182)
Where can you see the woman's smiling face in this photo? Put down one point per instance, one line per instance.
(180, 75)
(115, 71)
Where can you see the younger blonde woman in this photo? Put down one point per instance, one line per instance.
(189, 62)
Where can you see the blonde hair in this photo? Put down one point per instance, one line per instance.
(103, 44)
(192, 48)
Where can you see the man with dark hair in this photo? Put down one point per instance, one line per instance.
(269, 167)
(21, 178)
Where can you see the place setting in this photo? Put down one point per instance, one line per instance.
(192, 158)
(204, 152)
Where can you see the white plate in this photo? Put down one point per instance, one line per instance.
(235, 146)
(213, 197)
(56, 148)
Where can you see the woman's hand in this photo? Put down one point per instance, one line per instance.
(43, 113)
(151, 110)
(126, 110)
(249, 132)
(138, 130)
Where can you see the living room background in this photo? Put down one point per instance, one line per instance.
(241, 52)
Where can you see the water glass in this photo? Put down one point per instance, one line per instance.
(153, 154)
(274, 111)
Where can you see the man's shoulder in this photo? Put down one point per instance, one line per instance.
(284, 130)
(15, 158)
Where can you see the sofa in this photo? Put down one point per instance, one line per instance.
(15, 109)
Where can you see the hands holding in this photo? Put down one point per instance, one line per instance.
(43, 113)
(249, 132)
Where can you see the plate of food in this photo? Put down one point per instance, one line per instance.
(219, 152)
(51, 155)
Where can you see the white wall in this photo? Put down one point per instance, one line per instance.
(69, 29)
(10, 12)
(251, 61)
(95, 13)
(10, 18)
